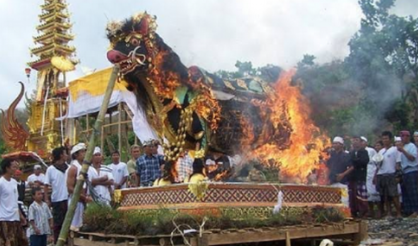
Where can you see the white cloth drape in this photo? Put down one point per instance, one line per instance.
(87, 104)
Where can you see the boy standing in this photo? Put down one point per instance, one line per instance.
(119, 171)
(40, 219)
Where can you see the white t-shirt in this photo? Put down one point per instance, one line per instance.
(56, 179)
(101, 190)
(9, 210)
(32, 178)
(390, 157)
(407, 165)
(119, 171)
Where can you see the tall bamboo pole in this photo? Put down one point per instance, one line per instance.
(89, 154)
(120, 128)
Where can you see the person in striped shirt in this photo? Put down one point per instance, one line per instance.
(40, 219)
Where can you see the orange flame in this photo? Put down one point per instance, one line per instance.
(305, 144)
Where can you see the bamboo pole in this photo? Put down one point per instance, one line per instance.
(92, 143)
(120, 128)
(102, 138)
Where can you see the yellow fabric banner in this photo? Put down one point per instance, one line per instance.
(95, 84)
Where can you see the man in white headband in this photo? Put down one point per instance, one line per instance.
(338, 162)
(101, 179)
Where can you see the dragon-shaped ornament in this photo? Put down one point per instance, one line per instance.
(14, 134)
(189, 107)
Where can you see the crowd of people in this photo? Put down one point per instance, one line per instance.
(382, 180)
(52, 192)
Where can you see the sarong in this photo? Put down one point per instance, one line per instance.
(12, 231)
(357, 193)
(410, 193)
(59, 209)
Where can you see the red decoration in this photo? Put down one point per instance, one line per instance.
(27, 71)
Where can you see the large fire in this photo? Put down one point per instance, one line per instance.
(304, 150)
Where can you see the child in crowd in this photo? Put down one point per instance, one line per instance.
(40, 219)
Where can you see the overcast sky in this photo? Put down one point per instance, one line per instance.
(212, 34)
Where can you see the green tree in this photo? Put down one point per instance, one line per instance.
(269, 72)
(245, 68)
(376, 84)
(383, 57)
(307, 61)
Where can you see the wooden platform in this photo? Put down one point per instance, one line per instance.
(348, 233)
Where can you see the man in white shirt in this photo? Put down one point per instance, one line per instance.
(55, 179)
(119, 171)
(409, 164)
(100, 178)
(37, 178)
(385, 181)
(11, 219)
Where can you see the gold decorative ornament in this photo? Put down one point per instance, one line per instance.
(241, 83)
(117, 196)
(63, 64)
(198, 189)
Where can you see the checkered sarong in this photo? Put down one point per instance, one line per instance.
(410, 192)
(357, 193)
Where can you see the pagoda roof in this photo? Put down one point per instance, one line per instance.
(53, 5)
(56, 14)
(53, 24)
(55, 18)
(46, 38)
(40, 63)
(53, 47)
(65, 48)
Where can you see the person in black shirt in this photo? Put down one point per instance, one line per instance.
(357, 174)
(338, 161)
(21, 188)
